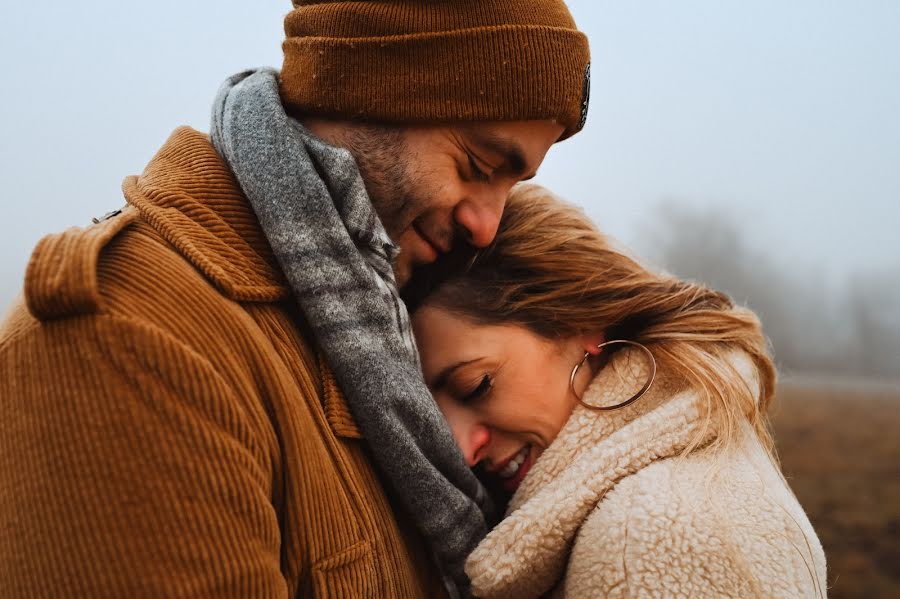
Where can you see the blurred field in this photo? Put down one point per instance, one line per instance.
(840, 449)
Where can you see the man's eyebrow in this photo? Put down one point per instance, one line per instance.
(512, 153)
(441, 379)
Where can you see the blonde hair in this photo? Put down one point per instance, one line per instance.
(552, 271)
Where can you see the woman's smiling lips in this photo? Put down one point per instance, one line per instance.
(512, 470)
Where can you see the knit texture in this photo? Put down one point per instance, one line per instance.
(612, 509)
(459, 60)
(169, 429)
(315, 212)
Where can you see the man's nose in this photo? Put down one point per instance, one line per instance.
(479, 218)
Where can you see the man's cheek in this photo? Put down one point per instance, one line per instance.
(402, 269)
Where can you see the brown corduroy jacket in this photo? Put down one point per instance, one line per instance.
(167, 428)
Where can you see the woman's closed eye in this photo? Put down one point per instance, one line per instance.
(483, 387)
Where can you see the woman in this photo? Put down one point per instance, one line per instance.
(673, 489)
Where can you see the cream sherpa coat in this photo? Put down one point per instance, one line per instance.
(611, 509)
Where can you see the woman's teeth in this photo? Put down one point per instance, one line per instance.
(510, 469)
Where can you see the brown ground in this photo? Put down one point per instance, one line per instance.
(840, 450)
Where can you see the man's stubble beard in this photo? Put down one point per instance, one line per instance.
(388, 171)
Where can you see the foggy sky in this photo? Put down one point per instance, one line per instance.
(785, 114)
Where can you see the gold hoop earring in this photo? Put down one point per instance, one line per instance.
(631, 399)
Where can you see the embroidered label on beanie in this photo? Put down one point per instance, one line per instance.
(585, 96)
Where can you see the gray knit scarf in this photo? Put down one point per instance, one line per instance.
(313, 207)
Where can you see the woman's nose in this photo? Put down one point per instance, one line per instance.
(473, 440)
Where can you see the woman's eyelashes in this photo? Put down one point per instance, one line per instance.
(483, 387)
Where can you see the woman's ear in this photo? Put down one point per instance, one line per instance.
(590, 343)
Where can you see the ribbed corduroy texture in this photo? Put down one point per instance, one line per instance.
(174, 434)
(413, 61)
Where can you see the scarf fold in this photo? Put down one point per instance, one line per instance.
(314, 210)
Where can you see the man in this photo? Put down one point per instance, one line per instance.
(214, 391)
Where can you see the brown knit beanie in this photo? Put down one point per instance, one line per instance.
(436, 61)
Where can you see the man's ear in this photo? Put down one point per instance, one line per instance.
(590, 343)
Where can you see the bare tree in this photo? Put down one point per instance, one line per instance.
(873, 310)
(811, 328)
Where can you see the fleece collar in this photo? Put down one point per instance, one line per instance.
(526, 554)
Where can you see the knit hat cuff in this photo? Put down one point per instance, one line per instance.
(503, 73)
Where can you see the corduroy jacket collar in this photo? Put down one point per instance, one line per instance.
(189, 196)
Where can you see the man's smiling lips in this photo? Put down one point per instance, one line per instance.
(436, 250)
